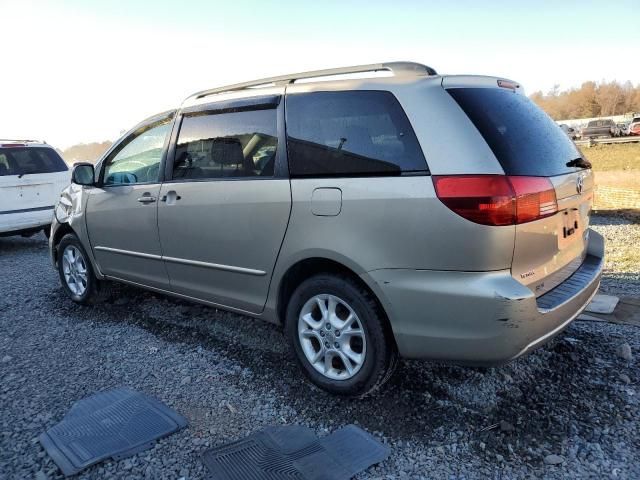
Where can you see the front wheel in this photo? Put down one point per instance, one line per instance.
(76, 272)
(339, 335)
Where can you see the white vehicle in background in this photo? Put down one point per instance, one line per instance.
(32, 175)
(571, 132)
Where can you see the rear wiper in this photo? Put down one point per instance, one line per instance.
(579, 162)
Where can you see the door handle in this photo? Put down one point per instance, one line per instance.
(147, 199)
(171, 197)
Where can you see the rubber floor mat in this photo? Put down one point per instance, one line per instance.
(113, 424)
(295, 453)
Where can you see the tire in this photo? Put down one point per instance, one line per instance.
(366, 337)
(89, 291)
(47, 231)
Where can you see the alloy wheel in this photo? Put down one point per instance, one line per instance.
(332, 337)
(75, 270)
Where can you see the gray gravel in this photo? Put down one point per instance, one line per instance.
(568, 410)
(622, 239)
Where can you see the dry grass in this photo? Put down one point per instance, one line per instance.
(621, 158)
(616, 166)
(619, 178)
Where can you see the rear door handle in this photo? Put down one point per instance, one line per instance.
(171, 197)
(146, 198)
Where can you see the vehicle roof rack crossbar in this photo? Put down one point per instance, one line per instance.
(397, 68)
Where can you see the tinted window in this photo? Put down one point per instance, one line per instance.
(138, 159)
(350, 133)
(223, 145)
(523, 138)
(30, 160)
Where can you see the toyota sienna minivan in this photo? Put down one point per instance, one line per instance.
(414, 214)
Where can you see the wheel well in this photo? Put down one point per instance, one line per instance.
(312, 266)
(61, 231)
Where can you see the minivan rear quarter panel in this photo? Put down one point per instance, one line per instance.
(391, 222)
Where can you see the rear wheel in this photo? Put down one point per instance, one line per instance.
(339, 335)
(76, 272)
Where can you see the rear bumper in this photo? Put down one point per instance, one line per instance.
(481, 318)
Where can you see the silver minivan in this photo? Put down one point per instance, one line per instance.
(413, 214)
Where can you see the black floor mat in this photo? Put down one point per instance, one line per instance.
(113, 424)
(293, 452)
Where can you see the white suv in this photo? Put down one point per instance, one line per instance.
(32, 175)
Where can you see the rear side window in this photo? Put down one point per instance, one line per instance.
(223, 145)
(355, 133)
(524, 139)
(30, 160)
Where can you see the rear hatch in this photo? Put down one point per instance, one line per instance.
(30, 177)
(549, 176)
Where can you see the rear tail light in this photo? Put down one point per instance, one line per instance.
(497, 199)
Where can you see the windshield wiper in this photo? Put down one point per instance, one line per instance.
(579, 162)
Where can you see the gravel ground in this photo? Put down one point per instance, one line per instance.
(574, 402)
(622, 260)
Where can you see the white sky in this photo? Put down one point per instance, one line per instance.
(73, 71)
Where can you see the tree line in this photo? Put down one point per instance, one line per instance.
(85, 152)
(592, 99)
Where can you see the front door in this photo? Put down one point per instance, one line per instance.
(122, 212)
(223, 214)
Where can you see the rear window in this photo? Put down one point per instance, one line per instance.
(524, 139)
(354, 133)
(30, 160)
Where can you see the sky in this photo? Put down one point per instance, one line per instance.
(81, 70)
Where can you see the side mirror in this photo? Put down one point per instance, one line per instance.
(83, 174)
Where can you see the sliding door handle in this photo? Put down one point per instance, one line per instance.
(171, 197)
(147, 199)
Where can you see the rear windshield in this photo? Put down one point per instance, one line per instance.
(30, 160)
(524, 139)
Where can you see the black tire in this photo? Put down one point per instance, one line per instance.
(96, 290)
(381, 353)
(47, 231)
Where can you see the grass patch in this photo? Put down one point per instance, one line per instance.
(617, 166)
(614, 157)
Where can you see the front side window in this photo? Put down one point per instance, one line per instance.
(138, 160)
(30, 160)
(226, 145)
(350, 133)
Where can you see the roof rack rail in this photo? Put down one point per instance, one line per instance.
(397, 68)
(25, 140)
